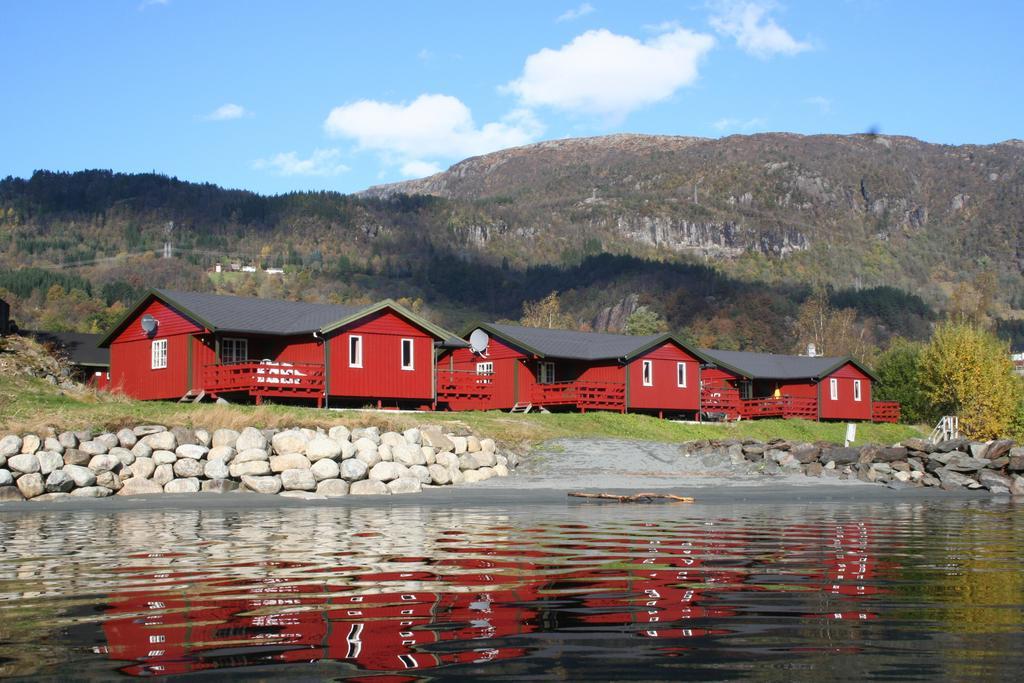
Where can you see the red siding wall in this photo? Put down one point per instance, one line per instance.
(382, 376)
(508, 362)
(664, 394)
(845, 408)
(131, 355)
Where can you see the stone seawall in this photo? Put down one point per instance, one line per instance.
(299, 463)
(996, 466)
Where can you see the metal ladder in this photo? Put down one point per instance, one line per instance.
(948, 428)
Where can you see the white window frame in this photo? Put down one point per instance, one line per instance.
(856, 390)
(647, 373)
(681, 375)
(236, 344)
(355, 360)
(546, 373)
(158, 354)
(833, 389)
(485, 370)
(412, 354)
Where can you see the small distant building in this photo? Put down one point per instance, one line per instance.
(274, 271)
(1018, 363)
(89, 363)
(248, 269)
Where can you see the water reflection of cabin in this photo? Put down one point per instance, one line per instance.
(177, 344)
(528, 367)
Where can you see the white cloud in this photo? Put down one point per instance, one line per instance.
(576, 13)
(823, 104)
(228, 112)
(610, 75)
(420, 169)
(152, 3)
(429, 127)
(424, 55)
(754, 31)
(323, 162)
(738, 124)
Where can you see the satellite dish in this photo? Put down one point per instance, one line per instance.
(478, 341)
(148, 324)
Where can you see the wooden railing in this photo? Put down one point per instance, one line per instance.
(464, 384)
(885, 411)
(263, 379)
(728, 402)
(582, 394)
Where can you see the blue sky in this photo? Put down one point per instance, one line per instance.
(285, 96)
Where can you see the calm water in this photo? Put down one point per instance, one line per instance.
(897, 591)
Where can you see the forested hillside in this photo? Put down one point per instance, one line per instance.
(893, 231)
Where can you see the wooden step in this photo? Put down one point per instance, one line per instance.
(193, 396)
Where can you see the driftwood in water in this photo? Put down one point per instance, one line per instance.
(635, 498)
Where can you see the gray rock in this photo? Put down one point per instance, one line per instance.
(448, 460)
(340, 433)
(384, 451)
(814, 469)
(422, 473)
(187, 468)
(353, 470)
(31, 485)
(368, 458)
(123, 454)
(298, 480)
(999, 463)
(371, 433)
(290, 441)
(49, 462)
(428, 454)
(302, 495)
(252, 468)
(805, 453)
(486, 458)
(6, 478)
(126, 438)
(10, 494)
(1017, 485)
(204, 438)
(323, 447)
(10, 445)
(53, 444)
(456, 476)
(110, 480)
(109, 440)
(186, 485)
(920, 445)
(30, 443)
(73, 456)
(68, 440)
(184, 436)
(93, 447)
(161, 441)
(977, 450)
(363, 444)
(348, 450)
(487, 445)
(59, 482)
(1016, 460)
(223, 453)
(104, 463)
(24, 463)
(467, 462)
(999, 448)
(954, 478)
(332, 488)
(433, 437)
(289, 461)
(81, 476)
(92, 492)
(84, 435)
(216, 469)
(964, 463)
(407, 454)
(502, 470)
(387, 471)
(405, 485)
(142, 467)
(368, 487)
(136, 486)
(990, 479)
(392, 439)
(439, 474)
(248, 438)
(249, 455)
(951, 445)
(142, 450)
(412, 437)
(840, 456)
(325, 468)
(162, 474)
(219, 486)
(473, 444)
(265, 485)
(193, 451)
(229, 437)
(58, 495)
(146, 430)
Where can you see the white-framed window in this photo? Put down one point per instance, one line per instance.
(546, 374)
(408, 359)
(648, 373)
(486, 369)
(833, 389)
(355, 351)
(681, 375)
(158, 354)
(856, 390)
(234, 350)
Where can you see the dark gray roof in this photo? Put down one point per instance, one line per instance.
(572, 344)
(258, 316)
(80, 348)
(774, 366)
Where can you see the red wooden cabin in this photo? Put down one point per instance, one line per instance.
(741, 384)
(177, 344)
(526, 368)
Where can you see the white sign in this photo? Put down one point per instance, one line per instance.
(851, 433)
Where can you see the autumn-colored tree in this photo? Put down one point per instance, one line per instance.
(833, 332)
(547, 313)
(644, 321)
(966, 371)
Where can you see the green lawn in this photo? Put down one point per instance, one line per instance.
(32, 405)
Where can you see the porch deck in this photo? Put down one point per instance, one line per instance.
(580, 394)
(261, 379)
(727, 401)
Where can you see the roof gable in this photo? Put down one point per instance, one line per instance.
(576, 345)
(754, 365)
